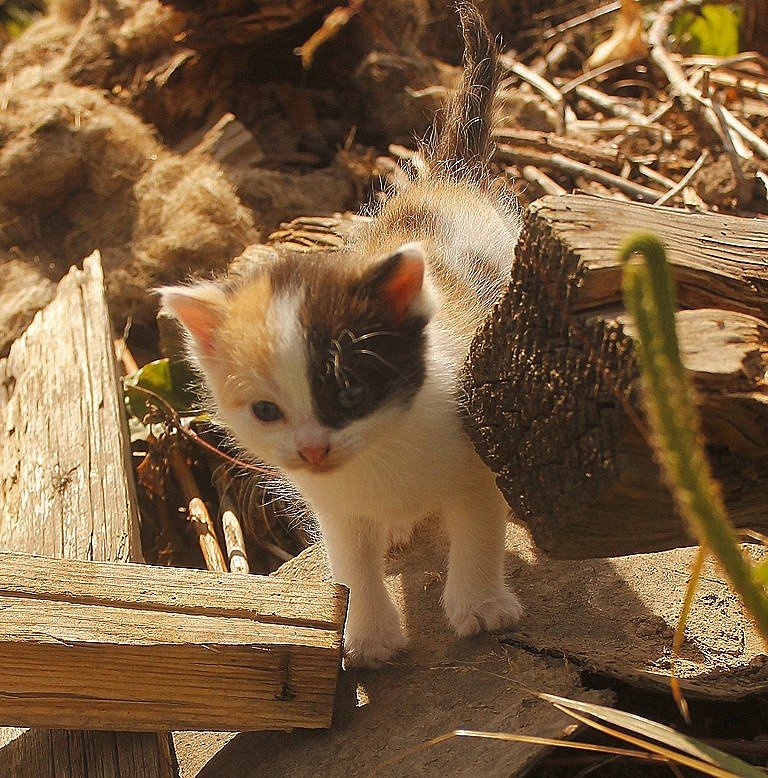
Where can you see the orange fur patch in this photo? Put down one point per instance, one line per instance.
(244, 343)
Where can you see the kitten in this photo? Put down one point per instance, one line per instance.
(341, 369)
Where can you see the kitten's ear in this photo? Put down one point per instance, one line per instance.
(199, 308)
(399, 279)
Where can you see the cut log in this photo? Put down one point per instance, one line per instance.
(203, 652)
(66, 490)
(552, 384)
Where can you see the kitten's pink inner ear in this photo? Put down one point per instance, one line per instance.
(404, 284)
(198, 310)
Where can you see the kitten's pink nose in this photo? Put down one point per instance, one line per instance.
(314, 455)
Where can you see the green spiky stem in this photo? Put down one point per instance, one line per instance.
(649, 295)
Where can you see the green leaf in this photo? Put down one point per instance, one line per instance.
(171, 380)
(714, 30)
(651, 730)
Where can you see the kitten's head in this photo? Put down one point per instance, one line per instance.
(309, 358)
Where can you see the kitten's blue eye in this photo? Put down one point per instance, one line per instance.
(267, 411)
(352, 397)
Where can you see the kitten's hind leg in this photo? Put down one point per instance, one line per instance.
(475, 597)
(356, 548)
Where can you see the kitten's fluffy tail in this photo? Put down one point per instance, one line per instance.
(463, 146)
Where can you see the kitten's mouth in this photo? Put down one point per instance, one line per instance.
(321, 467)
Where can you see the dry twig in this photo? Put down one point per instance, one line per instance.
(541, 179)
(522, 157)
(549, 141)
(688, 93)
(198, 513)
(235, 543)
(684, 181)
(542, 85)
(582, 19)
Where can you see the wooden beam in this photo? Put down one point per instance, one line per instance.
(119, 646)
(552, 382)
(66, 490)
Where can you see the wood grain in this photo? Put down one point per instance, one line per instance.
(261, 599)
(66, 490)
(204, 651)
(552, 383)
(65, 483)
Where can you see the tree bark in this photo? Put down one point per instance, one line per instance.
(552, 384)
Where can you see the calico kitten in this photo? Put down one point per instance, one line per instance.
(341, 369)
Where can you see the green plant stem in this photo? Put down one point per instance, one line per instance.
(649, 295)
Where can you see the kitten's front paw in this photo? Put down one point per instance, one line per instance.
(374, 647)
(468, 617)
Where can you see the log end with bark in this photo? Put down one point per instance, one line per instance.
(553, 395)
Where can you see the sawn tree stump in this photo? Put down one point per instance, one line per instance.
(552, 387)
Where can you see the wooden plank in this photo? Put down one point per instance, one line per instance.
(65, 485)
(552, 374)
(202, 653)
(263, 599)
(438, 684)
(66, 490)
(63, 753)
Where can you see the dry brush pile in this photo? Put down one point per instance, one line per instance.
(172, 136)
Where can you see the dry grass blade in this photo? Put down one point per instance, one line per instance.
(677, 642)
(684, 181)
(682, 749)
(511, 737)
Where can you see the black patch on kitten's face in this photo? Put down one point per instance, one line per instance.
(360, 355)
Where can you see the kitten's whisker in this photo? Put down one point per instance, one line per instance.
(368, 352)
(377, 333)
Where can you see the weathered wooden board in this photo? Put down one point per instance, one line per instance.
(440, 683)
(72, 753)
(66, 491)
(613, 616)
(121, 646)
(65, 485)
(552, 375)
